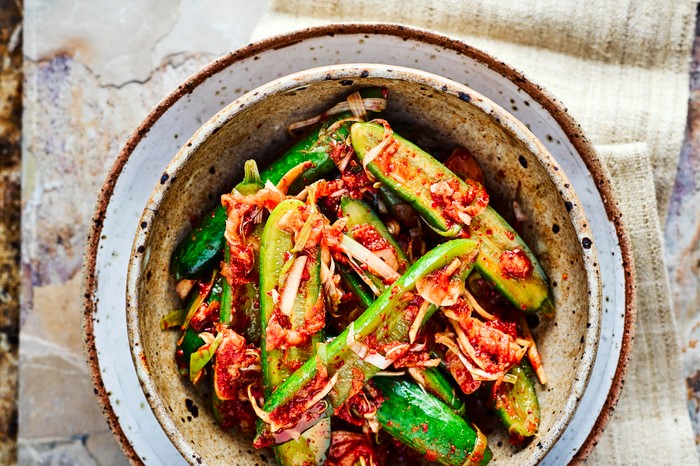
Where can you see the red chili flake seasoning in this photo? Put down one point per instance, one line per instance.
(463, 164)
(515, 264)
(369, 237)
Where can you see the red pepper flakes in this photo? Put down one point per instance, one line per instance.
(515, 264)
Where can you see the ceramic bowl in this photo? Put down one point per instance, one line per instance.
(512, 158)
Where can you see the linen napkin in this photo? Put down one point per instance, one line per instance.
(621, 69)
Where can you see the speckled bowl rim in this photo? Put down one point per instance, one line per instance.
(140, 254)
(555, 108)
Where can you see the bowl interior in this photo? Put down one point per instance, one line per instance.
(439, 115)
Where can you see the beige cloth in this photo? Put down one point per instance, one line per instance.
(621, 68)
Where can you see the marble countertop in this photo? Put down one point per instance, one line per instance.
(91, 74)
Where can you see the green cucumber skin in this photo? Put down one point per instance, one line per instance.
(425, 423)
(531, 294)
(202, 249)
(383, 319)
(522, 397)
(415, 190)
(358, 212)
(439, 385)
(311, 447)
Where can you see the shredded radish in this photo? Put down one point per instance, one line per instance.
(291, 287)
(364, 255)
(510, 378)
(418, 321)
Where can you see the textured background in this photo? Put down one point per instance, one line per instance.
(10, 130)
(92, 72)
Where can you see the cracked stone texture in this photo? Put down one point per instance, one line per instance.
(683, 244)
(10, 130)
(93, 70)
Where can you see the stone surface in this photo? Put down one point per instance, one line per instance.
(10, 125)
(84, 94)
(92, 72)
(683, 244)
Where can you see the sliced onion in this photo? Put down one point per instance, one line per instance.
(261, 413)
(363, 276)
(367, 257)
(303, 236)
(291, 286)
(476, 373)
(322, 393)
(360, 349)
(532, 354)
(439, 294)
(466, 345)
(207, 337)
(303, 123)
(184, 287)
(292, 175)
(418, 321)
(342, 165)
(477, 455)
(377, 360)
(387, 137)
(363, 352)
(518, 212)
(401, 349)
(417, 375)
(475, 305)
(375, 104)
(356, 106)
(391, 373)
(252, 367)
(271, 187)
